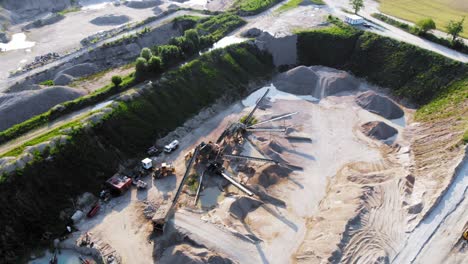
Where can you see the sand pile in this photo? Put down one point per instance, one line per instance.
(18, 107)
(317, 81)
(243, 206)
(110, 20)
(380, 105)
(333, 81)
(378, 130)
(270, 174)
(300, 80)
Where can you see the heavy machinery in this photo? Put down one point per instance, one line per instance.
(210, 159)
(465, 234)
(164, 170)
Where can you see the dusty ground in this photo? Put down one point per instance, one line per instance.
(344, 175)
(97, 81)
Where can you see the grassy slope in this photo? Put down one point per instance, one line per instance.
(442, 11)
(413, 73)
(438, 84)
(217, 26)
(31, 199)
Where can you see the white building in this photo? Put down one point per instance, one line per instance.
(354, 20)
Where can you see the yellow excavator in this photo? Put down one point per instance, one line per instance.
(465, 234)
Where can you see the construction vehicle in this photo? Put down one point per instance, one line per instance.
(171, 146)
(164, 170)
(465, 234)
(141, 184)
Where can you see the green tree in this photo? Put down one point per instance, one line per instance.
(155, 64)
(425, 25)
(170, 55)
(146, 54)
(141, 67)
(356, 5)
(116, 80)
(192, 35)
(454, 28)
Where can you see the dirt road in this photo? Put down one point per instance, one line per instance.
(430, 239)
(6, 63)
(216, 238)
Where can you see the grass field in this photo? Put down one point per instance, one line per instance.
(442, 11)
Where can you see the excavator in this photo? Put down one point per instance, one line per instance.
(465, 234)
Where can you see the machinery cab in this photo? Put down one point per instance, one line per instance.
(147, 163)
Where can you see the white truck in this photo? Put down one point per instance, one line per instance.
(171, 146)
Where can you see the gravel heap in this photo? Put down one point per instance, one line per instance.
(380, 105)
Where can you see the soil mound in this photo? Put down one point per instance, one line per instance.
(300, 80)
(110, 20)
(380, 105)
(243, 206)
(270, 175)
(47, 20)
(378, 130)
(18, 107)
(68, 75)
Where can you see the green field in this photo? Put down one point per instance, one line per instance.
(442, 11)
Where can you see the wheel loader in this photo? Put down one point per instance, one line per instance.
(164, 170)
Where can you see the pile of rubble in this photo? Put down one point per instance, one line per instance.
(40, 60)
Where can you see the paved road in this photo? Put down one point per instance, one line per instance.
(335, 7)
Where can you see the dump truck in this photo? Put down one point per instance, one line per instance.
(164, 170)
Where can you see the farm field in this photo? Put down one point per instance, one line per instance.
(442, 11)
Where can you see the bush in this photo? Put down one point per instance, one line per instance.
(425, 25)
(170, 55)
(192, 35)
(116, 80)
(141, 66)
(411, 72)
(155, 64)
(456, 45)
(48, 83)
(146, 53)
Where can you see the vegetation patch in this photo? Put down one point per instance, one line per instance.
(452, 102)
(47, 186)
(210, 29)
(456, 45)
(295, 3)
(69, 10)
(411, 72)
(252, 7)
(48, 83)
(442, 11)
